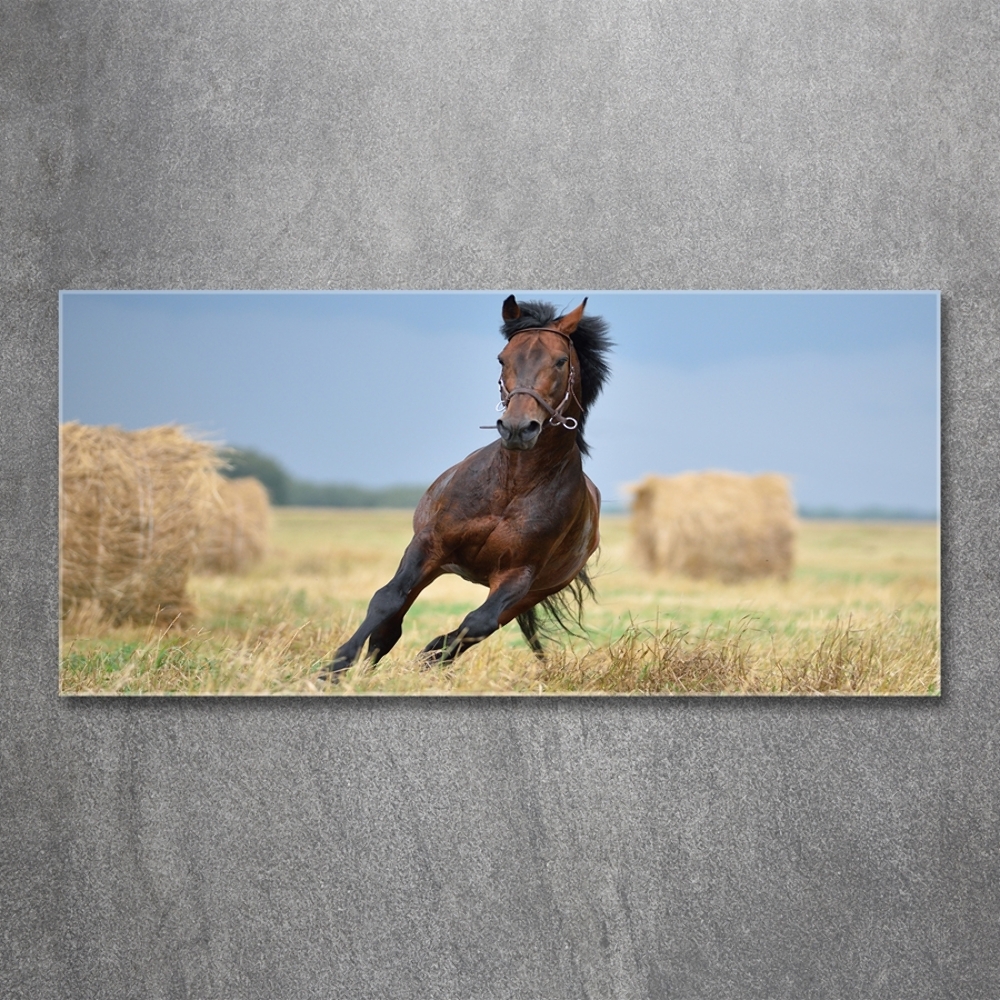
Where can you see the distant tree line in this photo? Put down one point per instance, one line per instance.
(866, 514)
(286, 491)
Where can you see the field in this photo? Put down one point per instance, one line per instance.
(859, 616)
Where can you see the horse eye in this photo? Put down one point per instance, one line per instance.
(561, 363)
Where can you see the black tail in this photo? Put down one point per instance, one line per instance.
(563, 610)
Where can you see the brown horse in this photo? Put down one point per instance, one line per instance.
(518, 516)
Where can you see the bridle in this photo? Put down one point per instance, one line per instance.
(556, 417)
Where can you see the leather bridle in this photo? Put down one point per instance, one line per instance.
(555, 413)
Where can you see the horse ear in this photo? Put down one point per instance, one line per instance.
(511, 310)
(569, 322)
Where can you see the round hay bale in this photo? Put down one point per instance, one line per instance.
(236, 535)
(723, 525)
(132, 509)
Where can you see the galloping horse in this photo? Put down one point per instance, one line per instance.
(518, 516)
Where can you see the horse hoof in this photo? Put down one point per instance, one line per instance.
(330, 674)
(429, 658)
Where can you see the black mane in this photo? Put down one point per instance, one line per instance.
(592, 347)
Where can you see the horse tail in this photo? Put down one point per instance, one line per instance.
(563, 610)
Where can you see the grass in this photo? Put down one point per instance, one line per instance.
(859, 616)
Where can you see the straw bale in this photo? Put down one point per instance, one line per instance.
(236, 536)
(132, 507)
(723, 525)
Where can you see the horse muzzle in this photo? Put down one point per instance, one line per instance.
(518, 435)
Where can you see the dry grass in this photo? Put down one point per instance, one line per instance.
(858, 616)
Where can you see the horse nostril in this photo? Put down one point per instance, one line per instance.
(518, 435)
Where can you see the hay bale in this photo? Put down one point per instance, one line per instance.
(723, 525)
(235, 537)
(132, 508)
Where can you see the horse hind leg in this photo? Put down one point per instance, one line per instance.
(566, 613)
(528, 623)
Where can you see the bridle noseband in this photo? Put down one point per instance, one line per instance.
(556, 417)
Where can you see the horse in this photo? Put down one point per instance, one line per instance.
(518, 516)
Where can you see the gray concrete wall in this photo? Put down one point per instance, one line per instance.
(500, 848)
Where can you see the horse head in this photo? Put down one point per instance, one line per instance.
(539, 379)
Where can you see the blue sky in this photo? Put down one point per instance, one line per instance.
(839, 390)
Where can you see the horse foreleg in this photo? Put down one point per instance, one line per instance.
(506, 592)
(383, 624)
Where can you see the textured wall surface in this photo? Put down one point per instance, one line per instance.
(501, 848)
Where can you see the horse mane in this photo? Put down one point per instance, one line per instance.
(592, 348)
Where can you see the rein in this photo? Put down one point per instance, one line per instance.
(556, 417)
